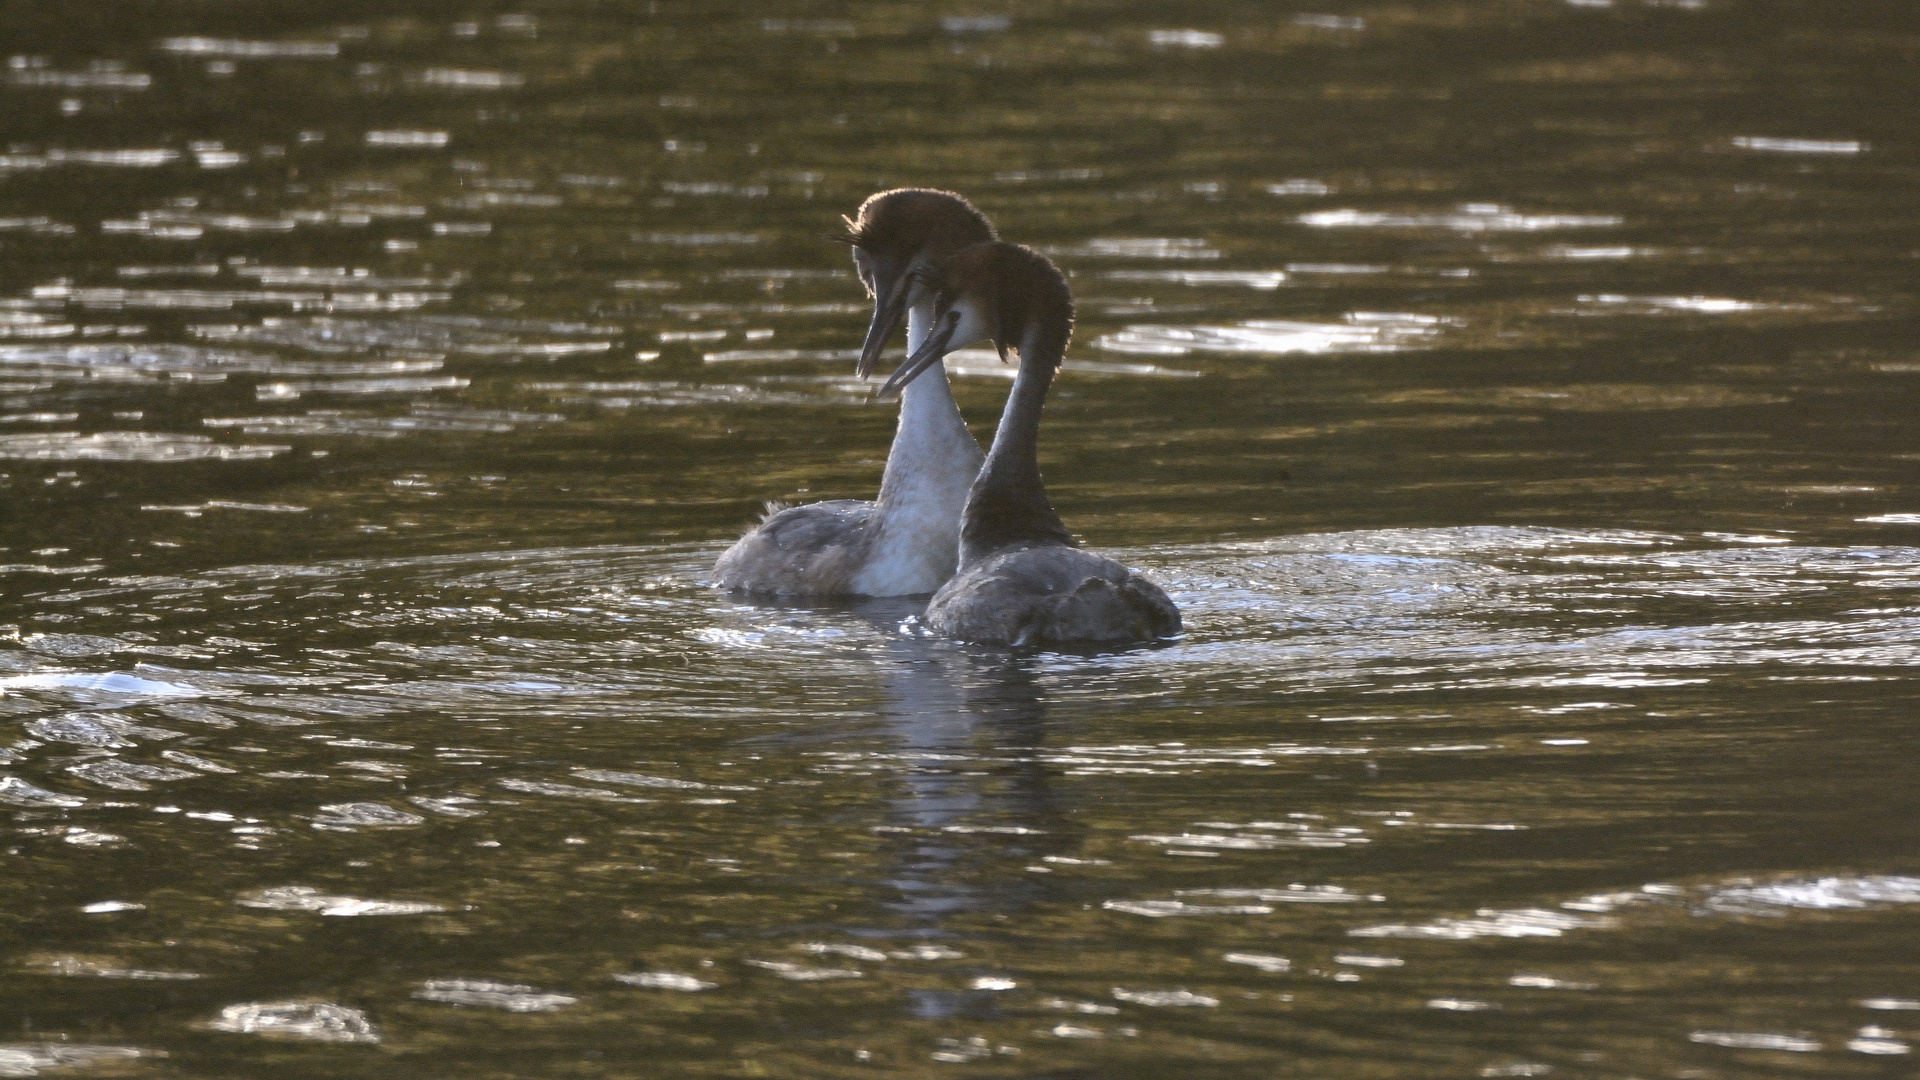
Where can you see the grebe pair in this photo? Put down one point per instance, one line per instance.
(1020, 580)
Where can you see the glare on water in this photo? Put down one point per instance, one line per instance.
(1517, 402)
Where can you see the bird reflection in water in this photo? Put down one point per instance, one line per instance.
(974, 798)
(974, 793)
(971, 805)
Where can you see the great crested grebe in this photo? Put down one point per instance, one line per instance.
(906, 541)
(1021, 580)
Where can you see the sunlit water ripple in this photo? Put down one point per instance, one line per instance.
(1516, 403)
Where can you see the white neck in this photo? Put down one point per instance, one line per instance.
(924, 489)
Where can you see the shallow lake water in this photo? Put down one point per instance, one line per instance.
(1517, 399)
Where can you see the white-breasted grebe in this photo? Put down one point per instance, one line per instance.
(905, 542)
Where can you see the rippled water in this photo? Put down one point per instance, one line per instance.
(1517, 399)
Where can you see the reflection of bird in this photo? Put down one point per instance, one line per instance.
(905, 542)
(972, 798)
(1021, 580)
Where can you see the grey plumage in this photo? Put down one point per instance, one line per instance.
(800, 550)
(1050, 593)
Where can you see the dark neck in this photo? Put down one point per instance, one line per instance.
(1008, 504)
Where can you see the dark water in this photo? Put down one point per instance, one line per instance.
(1518, 398)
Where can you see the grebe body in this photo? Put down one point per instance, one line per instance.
(1020, 579)
(905, 542)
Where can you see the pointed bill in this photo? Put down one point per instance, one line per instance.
(931, 353)
(890, 299)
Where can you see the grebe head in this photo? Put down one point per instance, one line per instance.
(997, 292)
(897, 236)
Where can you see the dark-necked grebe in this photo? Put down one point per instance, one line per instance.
(1021, 580)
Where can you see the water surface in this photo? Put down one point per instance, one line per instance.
(1517, 400)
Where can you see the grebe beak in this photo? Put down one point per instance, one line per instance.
(891, 298)
(931, 353)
